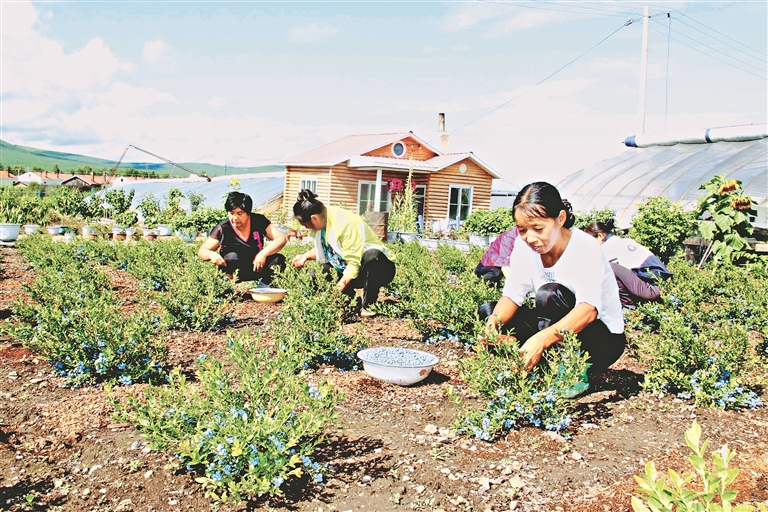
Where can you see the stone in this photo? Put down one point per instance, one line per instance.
(485, 484)
(576, 456)
(420, 489)
(148, 474)
(554, 436)
(136, 445)
(430, 429)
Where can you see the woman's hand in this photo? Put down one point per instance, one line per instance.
(217, 259)
(343, 282)
(299, 260)
(533, 349)
(259, 261)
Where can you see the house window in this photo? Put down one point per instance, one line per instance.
(459, 202)
(366, 196)
(308, 183)
(418, 195)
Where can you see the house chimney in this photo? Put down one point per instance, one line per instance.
(444, 137)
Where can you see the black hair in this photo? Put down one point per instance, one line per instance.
(307, 205)
(238, 200)
(542, 200)
(597, 227)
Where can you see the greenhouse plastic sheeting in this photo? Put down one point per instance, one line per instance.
(263, 189)
(676, 172)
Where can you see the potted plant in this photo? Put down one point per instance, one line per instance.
(402, 217)
(184, 227)
(10, 223)
(481, 225)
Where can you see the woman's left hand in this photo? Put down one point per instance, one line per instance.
(343, 282)
(259, 261)
(532, 350)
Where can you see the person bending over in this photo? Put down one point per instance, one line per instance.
(574, 285)
(241, 241)
(494, 265)
(636, 268)
(345, 246)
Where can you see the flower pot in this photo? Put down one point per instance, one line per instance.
(31, 229)
(87, 231)
(407, 237)
(151, 236)
(53, 230)
(91, 236)
(147, 232)
(163, 230)
(393, 236)
(118, 230)
(119, 236)
(9, 232)
(129, 232)
(68, 237)
(482, 240)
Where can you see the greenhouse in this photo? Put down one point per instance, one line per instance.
(265, 189)
(675, 168)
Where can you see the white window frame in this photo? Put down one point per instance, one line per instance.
(305, 182)
(388, 195)
(471, 198)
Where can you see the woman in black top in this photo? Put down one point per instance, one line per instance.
(242, 242)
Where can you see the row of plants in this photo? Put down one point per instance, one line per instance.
(245, 432)
(41, 206)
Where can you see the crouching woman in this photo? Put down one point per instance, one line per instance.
(346, 247)
(574, 285)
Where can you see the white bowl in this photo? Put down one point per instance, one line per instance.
(401, 366)
(9, 232)
(268, 294)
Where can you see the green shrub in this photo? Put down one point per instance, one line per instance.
(661, 226)
(696, 340)
(311, 318)
(245, 432)
(584, 219)
(515, 397)
(489, 222)
(661, 497)
(72, 318)
(198, 296)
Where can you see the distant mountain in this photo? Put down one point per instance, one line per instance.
(23, 156)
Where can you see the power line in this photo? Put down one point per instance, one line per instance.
(761, 59)
(727, 37)
(628, 22)
(716, 50)
(712, 56)
(569, 10)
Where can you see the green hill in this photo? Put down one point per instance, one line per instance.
(22, 157)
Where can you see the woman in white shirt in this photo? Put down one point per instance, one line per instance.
(575, 287)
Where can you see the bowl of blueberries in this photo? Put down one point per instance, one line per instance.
(396, 365)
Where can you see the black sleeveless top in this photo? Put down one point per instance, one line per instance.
(230, 241)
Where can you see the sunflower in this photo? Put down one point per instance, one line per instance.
(727, 186)
(741, 203)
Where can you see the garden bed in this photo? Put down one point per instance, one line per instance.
(390, 448)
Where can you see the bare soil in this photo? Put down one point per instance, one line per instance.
(392, 447)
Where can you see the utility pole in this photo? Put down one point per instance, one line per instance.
(644, 67)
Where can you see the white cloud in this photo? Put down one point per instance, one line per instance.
(498, 20)
(468, 15)
(217, 102)
(311, 33)
(428, 50)
(157, 49)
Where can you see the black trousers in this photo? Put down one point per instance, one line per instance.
(553, 302)
(376, 270)
(275, 261)
(632, 289)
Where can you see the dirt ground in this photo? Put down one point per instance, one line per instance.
(392, 448)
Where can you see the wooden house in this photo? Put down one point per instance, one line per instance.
(355, 172)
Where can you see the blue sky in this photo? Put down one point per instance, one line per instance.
(251, 83)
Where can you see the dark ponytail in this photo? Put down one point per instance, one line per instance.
(542, 200)
(595, 228)
(307, 205)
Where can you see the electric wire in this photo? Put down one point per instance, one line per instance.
(521, 6)
(761, 58)
(725, 36)
(628, 22)
(716, 50)
(710, 55)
